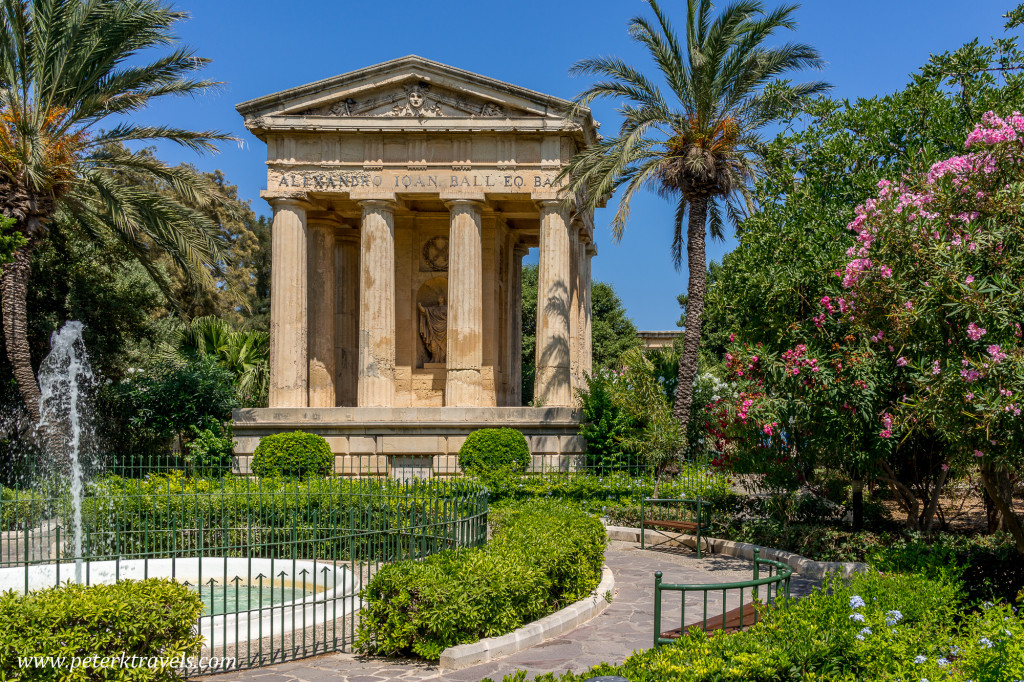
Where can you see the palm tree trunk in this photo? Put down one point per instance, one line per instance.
(697, 263)
(13, 292)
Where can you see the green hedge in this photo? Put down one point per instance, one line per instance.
(162, 514)
(543, 556)
(145, 618)
(295, 454)
(494, 453)
(908, 628)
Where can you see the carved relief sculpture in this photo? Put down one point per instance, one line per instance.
(416, 104)
(435, 254)
(434, 329)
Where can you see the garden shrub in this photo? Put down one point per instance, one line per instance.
(879, 627)
(139, 417)
(494, 453)
(543, 556)
(211, 451)
(614, 493)
(295, 454)
(155, 617)
(133, 516)
(603, 426)
(21, 509)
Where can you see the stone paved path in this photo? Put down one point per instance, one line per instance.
(626, 625)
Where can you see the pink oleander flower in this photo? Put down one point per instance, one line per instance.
(886, 272)
(974, 332)
(935, 367)
(979, 453)
(732, 337)
(908, 305)
(902, 362)
(995, 352)
(970, 278)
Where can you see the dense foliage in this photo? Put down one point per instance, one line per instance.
(296, 454)
(139, 417)
(238, 515)
(878, 627)
(812, 389)
(494, 454)
(144, 619)
(543, 556)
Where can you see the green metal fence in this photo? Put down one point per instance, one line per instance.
(724, 606)
(279, 563)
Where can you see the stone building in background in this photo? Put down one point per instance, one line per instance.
(405, 196)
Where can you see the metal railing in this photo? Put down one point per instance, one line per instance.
(279, 563)
(746, 606)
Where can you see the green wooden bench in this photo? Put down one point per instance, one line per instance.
(675, 515)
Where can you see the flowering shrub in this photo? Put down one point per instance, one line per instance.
(879, 627)
(935, 283)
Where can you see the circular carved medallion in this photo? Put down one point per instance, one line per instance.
(435, 253)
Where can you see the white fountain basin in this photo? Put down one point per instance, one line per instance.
(334, 591)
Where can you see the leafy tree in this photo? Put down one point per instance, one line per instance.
(770, 291)
(701, 146)
(244, 353)
(68, 66)
(613, 332)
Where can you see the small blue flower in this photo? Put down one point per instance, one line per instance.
(859, 617)
(893, 617)
(986, 642)
(920, 660)
(866, 631)
(856, 602)
(942, 662)
(954, 650)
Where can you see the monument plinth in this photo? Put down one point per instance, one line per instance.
(405, 196)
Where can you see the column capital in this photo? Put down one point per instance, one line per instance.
(346, 233)
(591, 250)
(457, 195)
(455, 202)
(520, 250)
(291, 201)
(388, 203)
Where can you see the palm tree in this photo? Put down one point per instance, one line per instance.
(245, 353)
(701, 147)
(66, 66)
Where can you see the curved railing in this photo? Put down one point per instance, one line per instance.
(739, 613)
(279, 564)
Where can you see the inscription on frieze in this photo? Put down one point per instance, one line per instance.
(342, 181)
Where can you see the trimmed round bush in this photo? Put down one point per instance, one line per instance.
(297, 454)
(489, 452)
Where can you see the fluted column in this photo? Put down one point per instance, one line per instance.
(377, 304)
(553, 381)
(288, 305)
(587, 359)
(516, 324)
(321, 314)
(346, 332)
(575, 306)
(465, 304)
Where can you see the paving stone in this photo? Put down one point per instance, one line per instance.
(626, 625)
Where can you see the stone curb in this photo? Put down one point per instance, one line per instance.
(815, 570)
(532, 634)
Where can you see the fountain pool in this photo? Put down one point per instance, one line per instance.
(243, 601)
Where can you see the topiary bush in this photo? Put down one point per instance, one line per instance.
(145, 619)
(297, 454)
(543, 555)
(494, 453)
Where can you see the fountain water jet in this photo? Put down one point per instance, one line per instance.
(66, 382)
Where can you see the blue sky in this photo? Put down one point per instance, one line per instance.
(262, 46)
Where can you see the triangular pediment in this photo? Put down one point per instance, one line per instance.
(409, 87)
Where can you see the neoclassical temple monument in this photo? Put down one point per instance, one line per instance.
(405, 196)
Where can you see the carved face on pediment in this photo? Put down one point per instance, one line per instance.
(416, 99)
